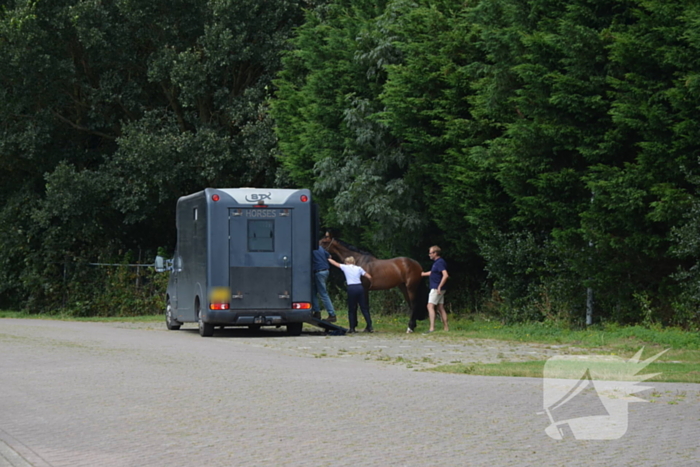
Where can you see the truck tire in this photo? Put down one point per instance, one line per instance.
(294, 329)
(171, 323)
(205, 329)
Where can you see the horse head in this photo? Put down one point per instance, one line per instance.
(332, 246)
(339, 249)
(326, 240)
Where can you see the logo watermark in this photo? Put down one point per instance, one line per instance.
(586, 396)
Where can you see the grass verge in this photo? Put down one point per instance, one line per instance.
(680, 362)
(667, 372)
(60, 317)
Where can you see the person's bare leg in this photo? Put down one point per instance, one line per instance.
(431, 316)
(443, 316)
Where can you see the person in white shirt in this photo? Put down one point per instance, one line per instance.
(356, 293)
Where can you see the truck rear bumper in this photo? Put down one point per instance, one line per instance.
(253, 317)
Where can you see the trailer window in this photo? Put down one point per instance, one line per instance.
(261, 235)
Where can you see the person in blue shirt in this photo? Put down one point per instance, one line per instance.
(438, 277)
(356, 293)
(321, 272)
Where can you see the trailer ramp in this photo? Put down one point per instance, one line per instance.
(332, 329)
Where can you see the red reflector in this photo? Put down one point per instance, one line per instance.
(301, 306)
(304, 198)
(215, 198)
(218, 306)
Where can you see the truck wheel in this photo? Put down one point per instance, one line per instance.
(170, 322)
(205, 329)
(294, 329)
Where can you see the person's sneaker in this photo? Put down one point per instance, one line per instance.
(369, 330)
(351, 331)
(332, 319)
(316, 314)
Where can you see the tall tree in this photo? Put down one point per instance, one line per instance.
(645, 194)
(331, 137)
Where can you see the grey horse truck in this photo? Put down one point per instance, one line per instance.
(243, 258)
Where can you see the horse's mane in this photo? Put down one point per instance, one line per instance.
(354, 248)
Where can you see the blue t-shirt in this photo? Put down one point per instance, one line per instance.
(320, 258)
(439, 265)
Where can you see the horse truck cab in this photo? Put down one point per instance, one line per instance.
(243, 258)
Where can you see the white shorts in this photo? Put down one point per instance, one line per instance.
(436, 298)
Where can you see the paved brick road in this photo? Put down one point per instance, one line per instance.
(96, 394)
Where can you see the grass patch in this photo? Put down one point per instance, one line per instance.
(668, 372)
(523, 369)
(624, 338)
(675, 372)
(60, 317)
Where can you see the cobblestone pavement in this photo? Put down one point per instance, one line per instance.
(116, 394)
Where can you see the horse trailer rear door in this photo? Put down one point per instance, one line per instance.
(260, 249)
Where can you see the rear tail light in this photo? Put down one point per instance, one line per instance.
(219, 306)
(301, 306)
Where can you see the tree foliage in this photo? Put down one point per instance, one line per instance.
(327, 111)
(551, 139)
(109, 111)
(548, 147)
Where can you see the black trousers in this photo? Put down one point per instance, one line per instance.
(356, 295)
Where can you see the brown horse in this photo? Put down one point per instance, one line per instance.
(402, 272)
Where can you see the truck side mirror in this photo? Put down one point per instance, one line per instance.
(160, 264)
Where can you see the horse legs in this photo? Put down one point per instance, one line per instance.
(419, 300)
(406, 294)
(409, 295)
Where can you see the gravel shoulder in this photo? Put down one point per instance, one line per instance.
(411, 351)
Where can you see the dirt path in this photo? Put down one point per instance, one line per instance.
(412, 351)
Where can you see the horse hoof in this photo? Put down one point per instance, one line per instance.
(409, 330)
